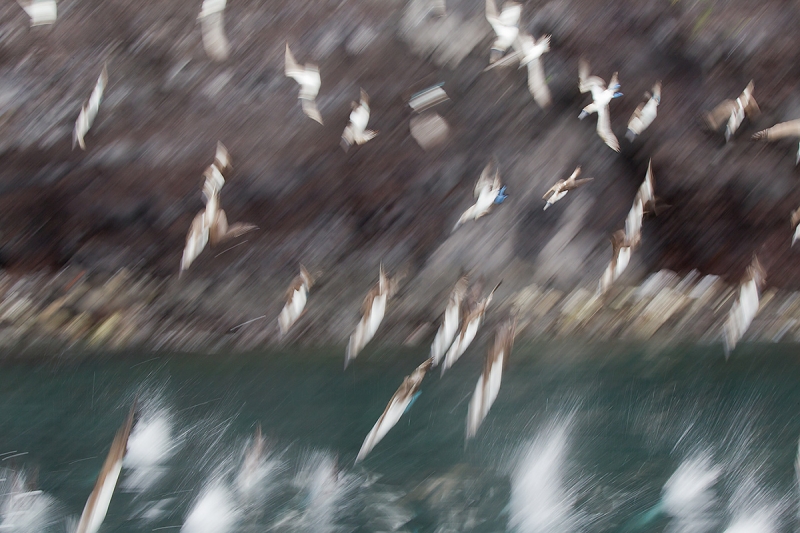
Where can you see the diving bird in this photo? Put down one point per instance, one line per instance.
(40, 11)
(372, 311)
(212, 23)
(97, 505)
(796, 225)
(780, 131)
(645, 113)
(633, 222)
(644, 201)
(732, 112)
(398, 405)
(488, 385)
(745, 307)
(211, 224)
(89, 110)
(309, 80)
(601, 97)
(620, 258)
(355, 131)
(449, 327)
(531, 52)
(251, 465)
(505, 26)
(469, 328)
(562, 187)
(488, 192)
(296, 298)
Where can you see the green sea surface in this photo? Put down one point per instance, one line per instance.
(581, 438)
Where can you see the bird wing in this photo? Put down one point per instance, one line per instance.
(297, 284)
(656, 90)
(89, 110)
(222, 159)
(720, 114)
(292, 68)
(449, 327)
(557, 187)
(484, 181)
(577, 183)
(196, 240)
(637, 113)
(795, 216)
(40, 11)
(97, 505)
(780, 131)
(488, 385)
(604, 128)
(585, 81)
(633, 222)
(221, 232)
(537, 83)
(214, 40)
(365, 100)
(491, 13)
(310, 109)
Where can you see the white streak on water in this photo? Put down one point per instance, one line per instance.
(688, 496)
(542, 499)
(214, 511)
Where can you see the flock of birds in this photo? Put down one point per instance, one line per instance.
(463, 315)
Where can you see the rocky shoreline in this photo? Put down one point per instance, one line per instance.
(72, 312)
(91, 241)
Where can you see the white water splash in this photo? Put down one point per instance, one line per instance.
(322, 490)
(214, 511)
(753, 508)
(541, 501)
(256, 479)
(23, 509)
(688, 496)
(150, 445)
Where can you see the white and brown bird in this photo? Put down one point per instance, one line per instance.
(372, 312)
(211, 224)
(488, 385)
(796, 225)
(644, 201)
(356, 131)
(621, 256)
(296, 298)
(505, 25)
(450, 321)
(488, 192)
(97, 505)
(645, 113)
(745, 307)
(601, 97)
(308, 78)
(40, 11)
(562, 187)
(733, 112)
(212, 24)
(530, 53)
(398, 405)
(89, 110)
(469, 328)
(782, 131)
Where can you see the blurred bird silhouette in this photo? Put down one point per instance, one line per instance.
(601, 97)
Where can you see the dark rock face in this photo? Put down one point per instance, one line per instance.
(129, 199)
